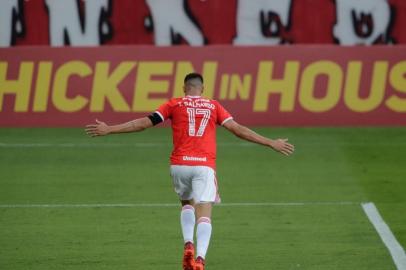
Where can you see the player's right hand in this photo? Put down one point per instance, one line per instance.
(282, 146)
(98, 129)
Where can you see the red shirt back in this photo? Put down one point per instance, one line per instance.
(194, 121)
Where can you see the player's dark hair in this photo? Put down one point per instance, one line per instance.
(193, 75)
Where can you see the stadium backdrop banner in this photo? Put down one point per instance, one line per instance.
(281, 85)
(199, 22)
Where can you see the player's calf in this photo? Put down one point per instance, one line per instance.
(203, 234)
(187, 220)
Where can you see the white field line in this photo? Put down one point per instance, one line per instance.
(128, 205)
(161, 144)
(395, 249)
(95, 145)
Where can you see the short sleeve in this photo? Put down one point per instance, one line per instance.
(222, 114)
(165, 110)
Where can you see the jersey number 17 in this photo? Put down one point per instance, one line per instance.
(192, 113)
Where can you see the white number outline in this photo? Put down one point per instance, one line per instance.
(192, 112)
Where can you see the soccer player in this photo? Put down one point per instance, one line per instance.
(193, 159)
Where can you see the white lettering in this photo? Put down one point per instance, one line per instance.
(262, 22)
(68, 28)
(187, 158)
(199, 105)
(170, 21)
(362, 22)
(11, 23)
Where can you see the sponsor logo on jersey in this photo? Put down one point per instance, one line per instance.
(187, 158)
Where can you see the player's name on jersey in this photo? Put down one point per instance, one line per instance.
(199, 104)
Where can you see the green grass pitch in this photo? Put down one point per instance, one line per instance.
(330, 165)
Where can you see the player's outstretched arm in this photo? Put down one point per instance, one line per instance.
(101, 128)
(280, 145)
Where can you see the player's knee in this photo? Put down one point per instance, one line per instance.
(187, 202)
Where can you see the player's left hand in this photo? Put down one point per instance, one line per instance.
(98, 129)
(282, 146)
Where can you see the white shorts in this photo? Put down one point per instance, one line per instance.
(195, 182)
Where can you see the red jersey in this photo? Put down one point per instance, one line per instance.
(194, 121)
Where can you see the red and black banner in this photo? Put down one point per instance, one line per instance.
(201, 22)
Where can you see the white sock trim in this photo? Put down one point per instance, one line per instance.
(204, 220)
